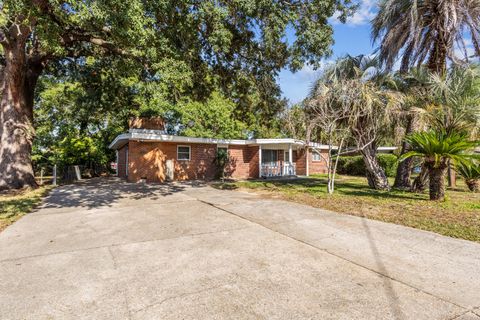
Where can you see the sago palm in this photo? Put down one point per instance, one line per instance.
(450, 102)
(437, 148)
(426, 31)
(471, 174)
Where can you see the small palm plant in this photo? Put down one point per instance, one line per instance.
(221, 161)
(437, 148)
(471, 174)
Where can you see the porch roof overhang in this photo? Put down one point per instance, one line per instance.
(156, 135)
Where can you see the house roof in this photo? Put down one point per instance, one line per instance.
(157, 135)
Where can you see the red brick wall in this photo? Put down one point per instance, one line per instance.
(121, 165)
(314, 167)
(147, 160)
(253, 164)
(301, 162)
(243, 162)
(317, 166)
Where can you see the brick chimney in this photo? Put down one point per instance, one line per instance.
(150, 123)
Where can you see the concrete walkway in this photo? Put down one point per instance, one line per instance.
(105, 249)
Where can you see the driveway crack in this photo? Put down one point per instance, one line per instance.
(120, 244)
(186, 294)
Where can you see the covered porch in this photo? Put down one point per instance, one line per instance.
(278, 160)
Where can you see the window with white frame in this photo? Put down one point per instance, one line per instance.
(316, 156)
(183, 152)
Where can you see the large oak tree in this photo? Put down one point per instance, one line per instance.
(229, 38)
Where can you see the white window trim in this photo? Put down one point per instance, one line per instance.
(189, 152)
(319, 154)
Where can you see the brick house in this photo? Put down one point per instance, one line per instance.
(146, 152)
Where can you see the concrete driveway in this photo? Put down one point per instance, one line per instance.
(105, 249)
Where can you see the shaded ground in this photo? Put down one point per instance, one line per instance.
(458, 216)
(15, 204)
(105, 249)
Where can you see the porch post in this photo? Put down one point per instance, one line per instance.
(259, 160)
(290, 156)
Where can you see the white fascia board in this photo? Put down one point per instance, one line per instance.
(151, 136)
(278, 141)
(155, 135)
(315, 145)
(182, 139)
(119, 140)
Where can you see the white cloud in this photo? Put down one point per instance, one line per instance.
(296, 86)
(365, 13)
(308, 73)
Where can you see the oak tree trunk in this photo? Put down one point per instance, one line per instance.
(16, 117)
(404, 169)
(377, 179)
(437, 182)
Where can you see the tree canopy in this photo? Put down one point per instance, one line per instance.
(125, 57)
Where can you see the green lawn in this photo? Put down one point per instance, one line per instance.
(458, 216)
(14, 205)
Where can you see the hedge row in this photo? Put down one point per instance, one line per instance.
(354, 165)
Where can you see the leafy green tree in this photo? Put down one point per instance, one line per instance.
(241, 42)
(437, 148)
(360, 86)
(215, 118)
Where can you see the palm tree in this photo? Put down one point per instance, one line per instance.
(471, 174)
(414, 86)
(456, 97)
(444, 102)
(426, 31)
(437, 148)
(359, 85)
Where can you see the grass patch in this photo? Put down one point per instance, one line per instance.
(15, 204)
(458, 216)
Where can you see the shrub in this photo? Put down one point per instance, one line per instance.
(354, 165)
(471, 174)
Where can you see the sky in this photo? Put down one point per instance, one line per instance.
(352, 38)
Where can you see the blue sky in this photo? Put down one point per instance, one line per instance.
(352, 38)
